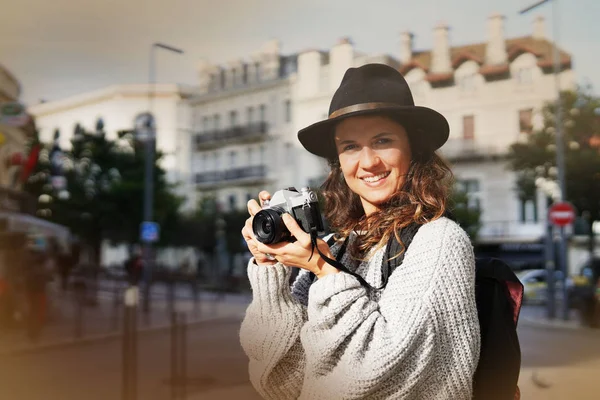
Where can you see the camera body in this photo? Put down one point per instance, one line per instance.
(268, 225)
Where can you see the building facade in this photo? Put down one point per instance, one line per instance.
(242, 135)
(236, 132)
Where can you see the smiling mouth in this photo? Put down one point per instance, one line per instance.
(376, 178)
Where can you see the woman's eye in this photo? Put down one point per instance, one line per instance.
(349, 147)
(383, 141)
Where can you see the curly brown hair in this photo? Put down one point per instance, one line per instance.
(422, 198)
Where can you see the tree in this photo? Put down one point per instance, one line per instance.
(467, 216)
(534, 156)
(103, 195)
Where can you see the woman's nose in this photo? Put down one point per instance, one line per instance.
(369, 158)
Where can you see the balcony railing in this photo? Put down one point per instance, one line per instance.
(233, 176)
(470, 150)
(247, 133)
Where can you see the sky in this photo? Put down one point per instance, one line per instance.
(60, 48)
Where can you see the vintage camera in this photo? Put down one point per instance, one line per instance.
(268, 226)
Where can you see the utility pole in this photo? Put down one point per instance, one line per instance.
(147, 124)
(560, 162)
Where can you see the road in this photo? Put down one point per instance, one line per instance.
(557, 364)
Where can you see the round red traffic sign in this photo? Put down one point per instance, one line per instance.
(561, 214)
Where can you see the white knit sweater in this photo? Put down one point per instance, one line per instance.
(418, 339)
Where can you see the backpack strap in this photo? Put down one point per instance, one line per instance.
(393, 259)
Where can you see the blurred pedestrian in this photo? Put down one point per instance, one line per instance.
(134, 267)
(347, 329)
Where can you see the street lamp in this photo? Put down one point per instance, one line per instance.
(147, 124)
(560, 152)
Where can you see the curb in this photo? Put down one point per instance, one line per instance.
(105, 337)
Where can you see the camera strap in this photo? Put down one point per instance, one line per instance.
(335, 263)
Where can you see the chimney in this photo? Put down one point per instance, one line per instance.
(440, 60)
(406, 47)
(341, 57)
(495, 52)
(271, 59)
(539, 28)
(204, 69)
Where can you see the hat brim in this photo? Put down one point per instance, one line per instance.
(427, 129)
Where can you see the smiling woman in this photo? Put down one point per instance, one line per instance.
(348, 328)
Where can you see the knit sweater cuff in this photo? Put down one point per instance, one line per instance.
(270, 284)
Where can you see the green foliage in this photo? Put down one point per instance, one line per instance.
(467, 217)
(535, 157)
(105, 183)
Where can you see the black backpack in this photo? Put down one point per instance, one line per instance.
(498, 294)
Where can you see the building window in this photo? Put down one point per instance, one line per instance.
(525, 118)
(257, 71)
(249, 197)
(222, 79)
(245, 74)
(262, 113)
(287, 111)
(217, 161)
(524, 76)
(250, 155)
(232, 202)
(289, 152)
(529, 210)
(204, 166)
(263, 152)
(468, 127)
(233, 119)
(233, 159)
(216, 122)
(470, 187)
(250, 115)
(205, 124)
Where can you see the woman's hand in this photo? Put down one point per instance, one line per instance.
(297, 253)
(248, 234)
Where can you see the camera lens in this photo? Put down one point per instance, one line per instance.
(269, 227)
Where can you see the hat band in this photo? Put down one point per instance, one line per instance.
(360, 107)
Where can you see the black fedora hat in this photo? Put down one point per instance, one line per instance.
(376, 89)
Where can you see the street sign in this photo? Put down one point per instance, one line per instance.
(149, 232)
(561, 214)
(13, 114)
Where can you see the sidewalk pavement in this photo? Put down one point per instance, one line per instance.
(245, 392)
(105, 320)
(559, 383)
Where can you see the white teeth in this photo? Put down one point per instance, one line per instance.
(375, 178)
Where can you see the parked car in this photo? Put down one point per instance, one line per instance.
(535, 285)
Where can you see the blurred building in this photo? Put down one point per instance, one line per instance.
(118, 106)
(17, 159)
(242, 133)
(235, 133)
(492, 94)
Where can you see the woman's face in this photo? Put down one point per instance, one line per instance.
(374, 154)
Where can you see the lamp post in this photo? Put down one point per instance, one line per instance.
(560, 153)
(147, 124)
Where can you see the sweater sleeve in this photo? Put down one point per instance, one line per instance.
(270, 333)
(421, 340)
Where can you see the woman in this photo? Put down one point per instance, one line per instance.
(331, 336)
